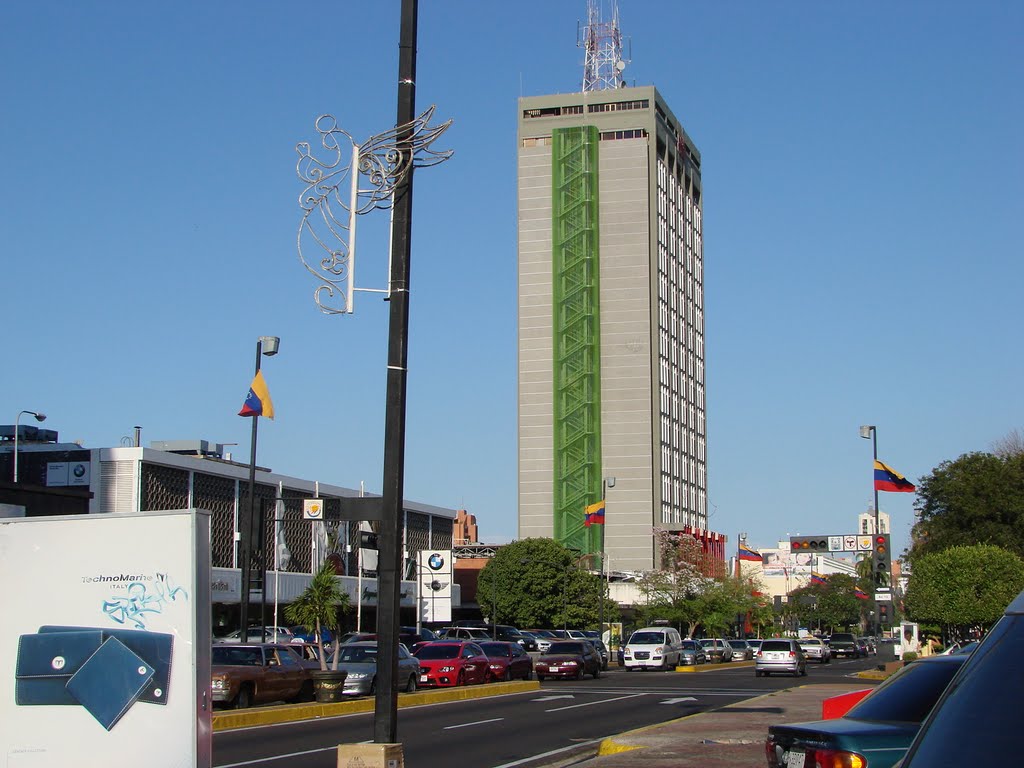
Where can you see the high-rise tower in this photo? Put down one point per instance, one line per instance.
(611, 398)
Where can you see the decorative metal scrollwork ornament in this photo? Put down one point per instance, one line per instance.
(330, 205)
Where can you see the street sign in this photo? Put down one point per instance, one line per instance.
(835, 543)
(313, 509)
(883, 597)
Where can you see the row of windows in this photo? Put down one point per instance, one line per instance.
(537, 141)
(619, 106)
(635, 133)
(574, 109)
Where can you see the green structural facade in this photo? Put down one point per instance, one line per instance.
(576, 336)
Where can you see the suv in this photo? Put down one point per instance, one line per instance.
(843, 644)
(653, 648)
(978, 715)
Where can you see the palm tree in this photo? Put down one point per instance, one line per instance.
(318, 607)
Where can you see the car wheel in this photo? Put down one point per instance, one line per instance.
(373, 687)
(410, 687)
(305, 692)
(597, 673)
(461, 679)
(579, 673)
(244, 698)
(489, 677)
(803, 671)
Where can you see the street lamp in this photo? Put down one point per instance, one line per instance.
(870, 432)
(40, 416)
(608, 482)
(565, 582)
(265, 345)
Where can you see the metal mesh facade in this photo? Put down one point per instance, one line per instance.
(217, 494)
(164, 488)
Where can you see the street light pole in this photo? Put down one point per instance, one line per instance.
(39, 417)
(245, 544)
(871, 431)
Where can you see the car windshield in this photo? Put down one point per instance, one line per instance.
(246, 657)
(689, 645)
(647, 638)
(709, 643)
(572, 648)
(907, 697)
(738, 643)
(496, 649)
(357, 654)
(438, 651)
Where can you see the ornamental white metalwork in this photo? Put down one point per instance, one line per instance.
(330, 206)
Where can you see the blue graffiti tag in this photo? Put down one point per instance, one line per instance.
(138, 601)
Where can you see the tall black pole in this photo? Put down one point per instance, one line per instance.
(385, 724)
(874, 446)
(245, 539)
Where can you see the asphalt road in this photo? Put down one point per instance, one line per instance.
(521, 729)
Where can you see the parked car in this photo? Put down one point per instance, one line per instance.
(569, 658)
(544, 638)
(717, 649)
(843, 644)
(691, 653)
(258, 635)
(602, 651)
(815, 650)
(359, 660)
(876, 731)
(976, 720)
(446, 663)
(508, 661)
(869, 644)
(530, 641)
(471, 634)
(244, 674)
(754, 643)
(960, 648)
(306, 635)
(741, 650)
(653, 648)
(306, 653)
(780, 655)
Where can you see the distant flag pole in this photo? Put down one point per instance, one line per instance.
(258, 402)
(594, 514)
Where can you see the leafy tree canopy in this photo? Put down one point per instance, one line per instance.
(965, 586)
(540, 583)
(318, 607)
(976, 499)
(832, 605)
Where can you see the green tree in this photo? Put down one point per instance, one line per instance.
(318, 607)
(833, 604)
(962, 587)
(540, 583)
(680, 591)
(976, 499)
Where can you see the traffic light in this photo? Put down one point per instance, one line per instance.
(884, 617)
(367, 540)
(816, 544)
(882, 559)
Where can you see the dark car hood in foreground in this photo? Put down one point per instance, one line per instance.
(881, 743)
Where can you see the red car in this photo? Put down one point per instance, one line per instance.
(569, 658)
(508, 661)
(444, 664)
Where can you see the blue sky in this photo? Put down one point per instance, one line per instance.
(862, 176)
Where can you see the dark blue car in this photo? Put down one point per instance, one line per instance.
(309, 636)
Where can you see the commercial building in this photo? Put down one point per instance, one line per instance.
(611, 385)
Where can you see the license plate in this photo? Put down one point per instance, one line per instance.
(795, 759)
(423, 678)
(553, 669)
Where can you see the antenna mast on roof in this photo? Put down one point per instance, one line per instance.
(602, 42)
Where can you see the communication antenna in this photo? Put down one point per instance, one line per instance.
(601, 41)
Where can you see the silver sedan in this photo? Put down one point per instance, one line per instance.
(359, 660)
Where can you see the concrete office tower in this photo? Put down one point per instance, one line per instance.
(611, 393)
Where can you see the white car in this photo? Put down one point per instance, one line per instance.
(283, 635)
(815, 650)
(653, 648)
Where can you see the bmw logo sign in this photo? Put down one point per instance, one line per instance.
(436, 562)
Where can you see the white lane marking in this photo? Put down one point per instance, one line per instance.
(272, 758)
(478, 722)
(552, 698)
(592, 703)
(677, 701)
(527, 760)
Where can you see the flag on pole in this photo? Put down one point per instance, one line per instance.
(594, 514)
(258, 402)
(817, 578)
(746, 553)
(860, 594)
(888, 479)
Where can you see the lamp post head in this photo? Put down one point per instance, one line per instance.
(865, 431)
(270, 345)
(40, 416)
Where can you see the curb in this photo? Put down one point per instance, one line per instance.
(286, 713)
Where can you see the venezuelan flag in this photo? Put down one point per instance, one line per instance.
(594, 514)
(258, 402)
(860, 594)
(888, 479)
(817, 578)
(746, 553)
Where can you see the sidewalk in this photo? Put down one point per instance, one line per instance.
(724, 738)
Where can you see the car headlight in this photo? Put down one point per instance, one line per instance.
(570, 663)
(358, 675)
(219, 684)
(495, 666)
(447, 669)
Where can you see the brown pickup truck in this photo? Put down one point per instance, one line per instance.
(256, 673)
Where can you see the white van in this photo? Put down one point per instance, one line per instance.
(653, 648)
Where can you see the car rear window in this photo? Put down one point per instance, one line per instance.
(245, 657)
(776, 645)
(909, 696)
(738, 643)
(496, 649)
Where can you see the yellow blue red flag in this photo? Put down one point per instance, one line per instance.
(258, 402)
(594, 514)
(888, 479)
